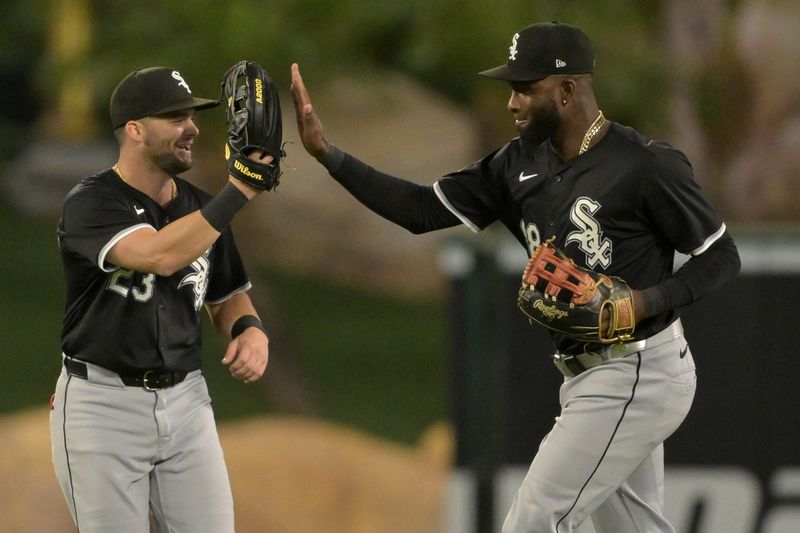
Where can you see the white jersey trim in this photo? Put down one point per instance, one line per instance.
(101, 257)
(709, 241)
(244, 288)
(442, 198)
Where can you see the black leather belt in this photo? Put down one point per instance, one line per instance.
(147, 379)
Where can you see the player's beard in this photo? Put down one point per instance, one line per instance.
(171, 164)
(541, 128)
(166, 159)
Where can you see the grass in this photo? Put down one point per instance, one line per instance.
(376, 362)
(33, 296)
(373, 362)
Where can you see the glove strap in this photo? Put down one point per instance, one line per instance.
(253, 173)
(622, 321)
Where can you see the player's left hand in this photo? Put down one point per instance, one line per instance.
(638, 310)
(261, 157)
(247, 355)
(255, 121)
(574, 301)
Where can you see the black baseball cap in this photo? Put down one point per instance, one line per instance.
(541, 50)
(152, 91)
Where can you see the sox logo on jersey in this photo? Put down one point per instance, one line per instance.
(198, 278)
(589, 237)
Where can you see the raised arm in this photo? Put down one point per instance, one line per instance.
(179, 243)
(407, 204)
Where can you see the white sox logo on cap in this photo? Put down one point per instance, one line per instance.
(181, 81)
(540, 50)
(153, 91)
(512, 50)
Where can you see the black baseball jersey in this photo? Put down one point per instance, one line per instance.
(622, 208)
(125, 320)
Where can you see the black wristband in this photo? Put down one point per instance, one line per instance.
(221, 209)
(244, 322)
(333, 159)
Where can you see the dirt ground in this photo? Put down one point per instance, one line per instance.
(288, 474)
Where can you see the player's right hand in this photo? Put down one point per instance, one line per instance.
(309, 125)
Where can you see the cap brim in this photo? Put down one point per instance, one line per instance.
(506, 73)
(190, 103)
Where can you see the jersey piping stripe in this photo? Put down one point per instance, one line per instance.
(610, 440)
(244, 288)
(101, 257)
(711, 240)
(66, 452)
(442, 198)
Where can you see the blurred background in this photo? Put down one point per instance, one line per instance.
(377, 361)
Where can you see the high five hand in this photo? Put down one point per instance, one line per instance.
(308, 124)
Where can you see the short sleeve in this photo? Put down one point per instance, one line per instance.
(93, 220)
(475, 194)
(676, 203)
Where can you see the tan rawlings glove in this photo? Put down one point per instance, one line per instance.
(571, 300)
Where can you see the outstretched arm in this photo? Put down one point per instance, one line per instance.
(407, 204)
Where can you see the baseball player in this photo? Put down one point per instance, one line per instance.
(144, 252)
(616, 202)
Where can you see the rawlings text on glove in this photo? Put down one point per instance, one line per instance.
(571, 300)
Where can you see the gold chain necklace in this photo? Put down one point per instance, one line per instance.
(598, 123)
(174, 195)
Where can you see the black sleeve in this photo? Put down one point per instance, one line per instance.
(94, 219)
(676, 202)
(706, 272)
(700, 275)
(407, 204)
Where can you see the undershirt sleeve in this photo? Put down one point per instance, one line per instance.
(407, 204)
(700, 275)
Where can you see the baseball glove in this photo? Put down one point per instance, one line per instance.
(254, 122)
(571, 300)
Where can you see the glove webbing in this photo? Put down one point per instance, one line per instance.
(559, 274)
